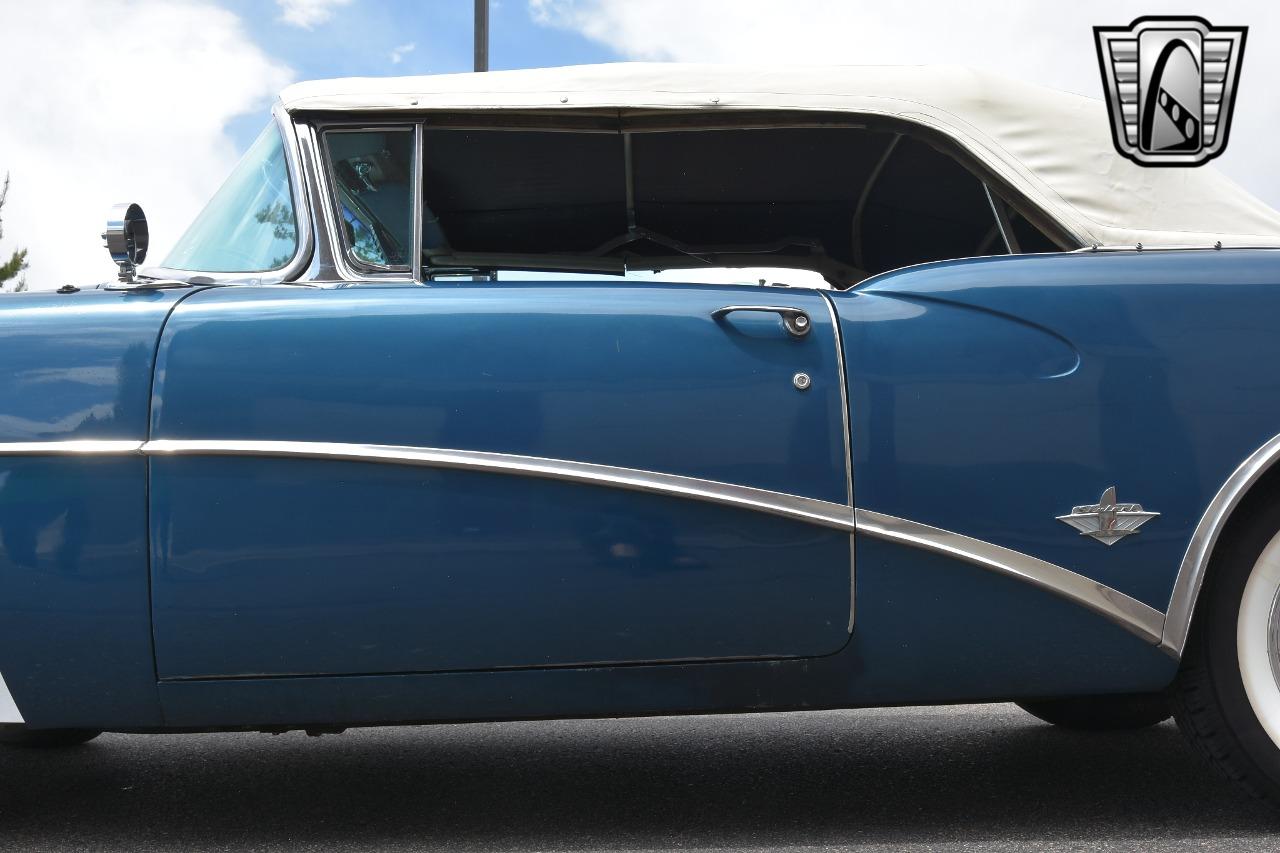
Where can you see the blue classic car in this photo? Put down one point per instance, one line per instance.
(634, 390)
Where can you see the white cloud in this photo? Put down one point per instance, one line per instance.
(1050, 44)
(397, 53)
(108, 101)
(551, 12)
(308, 13)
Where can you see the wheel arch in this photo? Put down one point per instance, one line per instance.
(1255, 481)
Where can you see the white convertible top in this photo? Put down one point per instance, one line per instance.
(1053, 147)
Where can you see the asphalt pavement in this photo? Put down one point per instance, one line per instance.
(959, 778)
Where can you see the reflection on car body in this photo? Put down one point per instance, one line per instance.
(582, 392)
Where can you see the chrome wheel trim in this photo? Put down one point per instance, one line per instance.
(1258, 639)
(1273, 638)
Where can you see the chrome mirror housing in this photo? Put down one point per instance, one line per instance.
(126, 238)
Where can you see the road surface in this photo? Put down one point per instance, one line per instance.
(959, 778)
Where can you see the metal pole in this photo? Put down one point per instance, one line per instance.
(482, 35)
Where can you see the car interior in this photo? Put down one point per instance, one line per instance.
(844, 200)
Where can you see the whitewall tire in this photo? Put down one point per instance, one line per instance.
(1226, 697)
(1258, 639)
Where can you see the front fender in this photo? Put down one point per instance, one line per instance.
(75, 624)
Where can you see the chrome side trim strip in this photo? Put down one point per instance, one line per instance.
(71, 447)
(822, 513)
(1129, 613)
(1186, 589)
(9, 712)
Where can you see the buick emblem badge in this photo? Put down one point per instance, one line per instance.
(1107, 521)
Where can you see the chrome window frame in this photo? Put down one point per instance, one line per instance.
(348, 267)
(302, 212)
(349, 271)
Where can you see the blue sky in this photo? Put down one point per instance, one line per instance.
(358, 41)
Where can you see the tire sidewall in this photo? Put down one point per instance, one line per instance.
(1217, 629)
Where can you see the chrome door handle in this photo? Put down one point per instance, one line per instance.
(794, 320)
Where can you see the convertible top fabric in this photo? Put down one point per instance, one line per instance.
(1053, 147)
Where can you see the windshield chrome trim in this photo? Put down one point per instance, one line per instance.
(301, 215)
(330, 269)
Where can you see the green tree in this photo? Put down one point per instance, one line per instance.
(18, 261)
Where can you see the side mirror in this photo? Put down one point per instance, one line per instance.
(126, 238)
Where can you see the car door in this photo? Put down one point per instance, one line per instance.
(465, 477)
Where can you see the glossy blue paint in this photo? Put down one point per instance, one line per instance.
(986, 398)
(78, 365)
(75, 634)
(316, 567)
(990, 396)
(633, 375)
(929, 630)
(377, 569)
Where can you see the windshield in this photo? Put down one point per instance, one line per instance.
(249, 224)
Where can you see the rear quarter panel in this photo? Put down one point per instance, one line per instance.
(990, 396)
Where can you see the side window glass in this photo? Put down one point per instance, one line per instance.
(1030, 238)
(372, 176)
(925, 206)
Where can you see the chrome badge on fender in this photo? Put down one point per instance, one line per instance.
(1107, 521)
(1170, 85)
